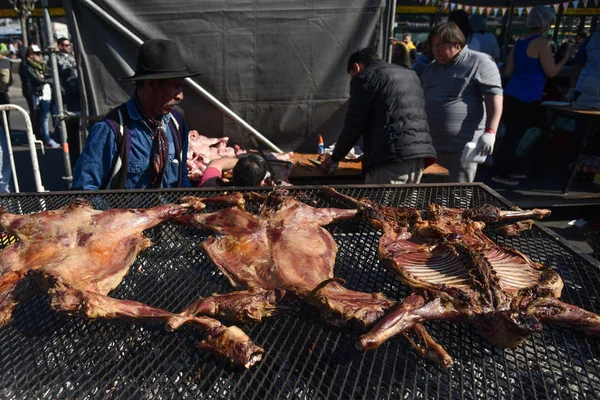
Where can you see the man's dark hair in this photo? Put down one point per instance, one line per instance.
(62, 40)
(461, 18)
(363, 56)
(448, 33)
(250, 170)
(401, 55)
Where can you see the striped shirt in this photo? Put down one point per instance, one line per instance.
(454, 98)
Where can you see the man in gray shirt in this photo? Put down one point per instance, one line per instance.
(457, 85)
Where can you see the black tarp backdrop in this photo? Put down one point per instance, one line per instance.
(279, 65)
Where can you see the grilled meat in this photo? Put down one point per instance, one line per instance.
(459, 274)
(516, 228)
(78, 255)
(283, 249)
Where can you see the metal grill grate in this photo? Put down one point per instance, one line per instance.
(47, 355)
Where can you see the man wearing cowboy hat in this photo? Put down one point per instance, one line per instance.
(143, 142)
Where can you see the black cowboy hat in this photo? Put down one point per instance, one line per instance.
(159, 59)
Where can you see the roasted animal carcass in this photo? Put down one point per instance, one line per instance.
(79, 254)
(283, 250)
(459, 274)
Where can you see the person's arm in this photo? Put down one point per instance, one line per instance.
(5, 80)
(578, 62)
(493, 109)
(547, 59)
(357, 117)
(216, 167)
(490, 85)
(96, 161)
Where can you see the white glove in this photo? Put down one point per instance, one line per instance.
(570, 96)
(485, 144)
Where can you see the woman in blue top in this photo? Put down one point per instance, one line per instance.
(528, 65)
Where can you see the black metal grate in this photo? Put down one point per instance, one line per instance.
(47, 355)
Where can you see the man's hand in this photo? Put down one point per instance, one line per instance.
(327, 165)
(485, 144)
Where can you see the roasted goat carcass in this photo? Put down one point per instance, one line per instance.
(283, 249)
(79, 254)
(459, 274)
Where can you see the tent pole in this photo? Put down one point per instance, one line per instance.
(511, 12)
(199, 89)
(57, 94)
(392, 22)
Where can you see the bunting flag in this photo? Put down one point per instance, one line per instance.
(446, 4)
(520, 11)
(585, 3)
(467, 8)
(488, 10)
(495, 11)
(504, 9)
(575, 3)
(426, 2)
(459, 6)
(565, 6)
(529, 10)
(452, 5)
(556, 7)
(596, 1)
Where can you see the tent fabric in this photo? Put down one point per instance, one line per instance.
(279, 65)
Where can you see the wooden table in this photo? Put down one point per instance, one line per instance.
(348, 171)
(589, 117)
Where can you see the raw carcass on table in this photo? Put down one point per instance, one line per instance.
(79, 254)
(284, 249)
(201, 150)
(459, 274)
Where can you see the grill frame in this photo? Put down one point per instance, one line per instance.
(44, 354)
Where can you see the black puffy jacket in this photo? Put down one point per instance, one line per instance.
(387, 108)
(31, 81)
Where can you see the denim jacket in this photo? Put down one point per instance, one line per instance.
(96, 161)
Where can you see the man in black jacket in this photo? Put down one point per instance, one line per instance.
(387, 109)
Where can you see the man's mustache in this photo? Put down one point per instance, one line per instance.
(174, 103)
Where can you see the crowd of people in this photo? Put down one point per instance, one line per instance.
(464, 98)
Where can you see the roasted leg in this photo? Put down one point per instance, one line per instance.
(230, 342)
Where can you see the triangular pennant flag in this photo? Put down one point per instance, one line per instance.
(467, 8)
(585, 3)
(565, 6)
(556, 7)
(504, 10)
(452, 5)
(596, 2)
(520, 11)
(459, 6)
(575, 3)
(488, 10)
(529, 9)
(426, 2)
(495, 11)
(446, 4)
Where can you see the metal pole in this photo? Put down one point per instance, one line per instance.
(392, 21)
(32, 150)
(511, 11)
(199, 89)
(57, 94)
